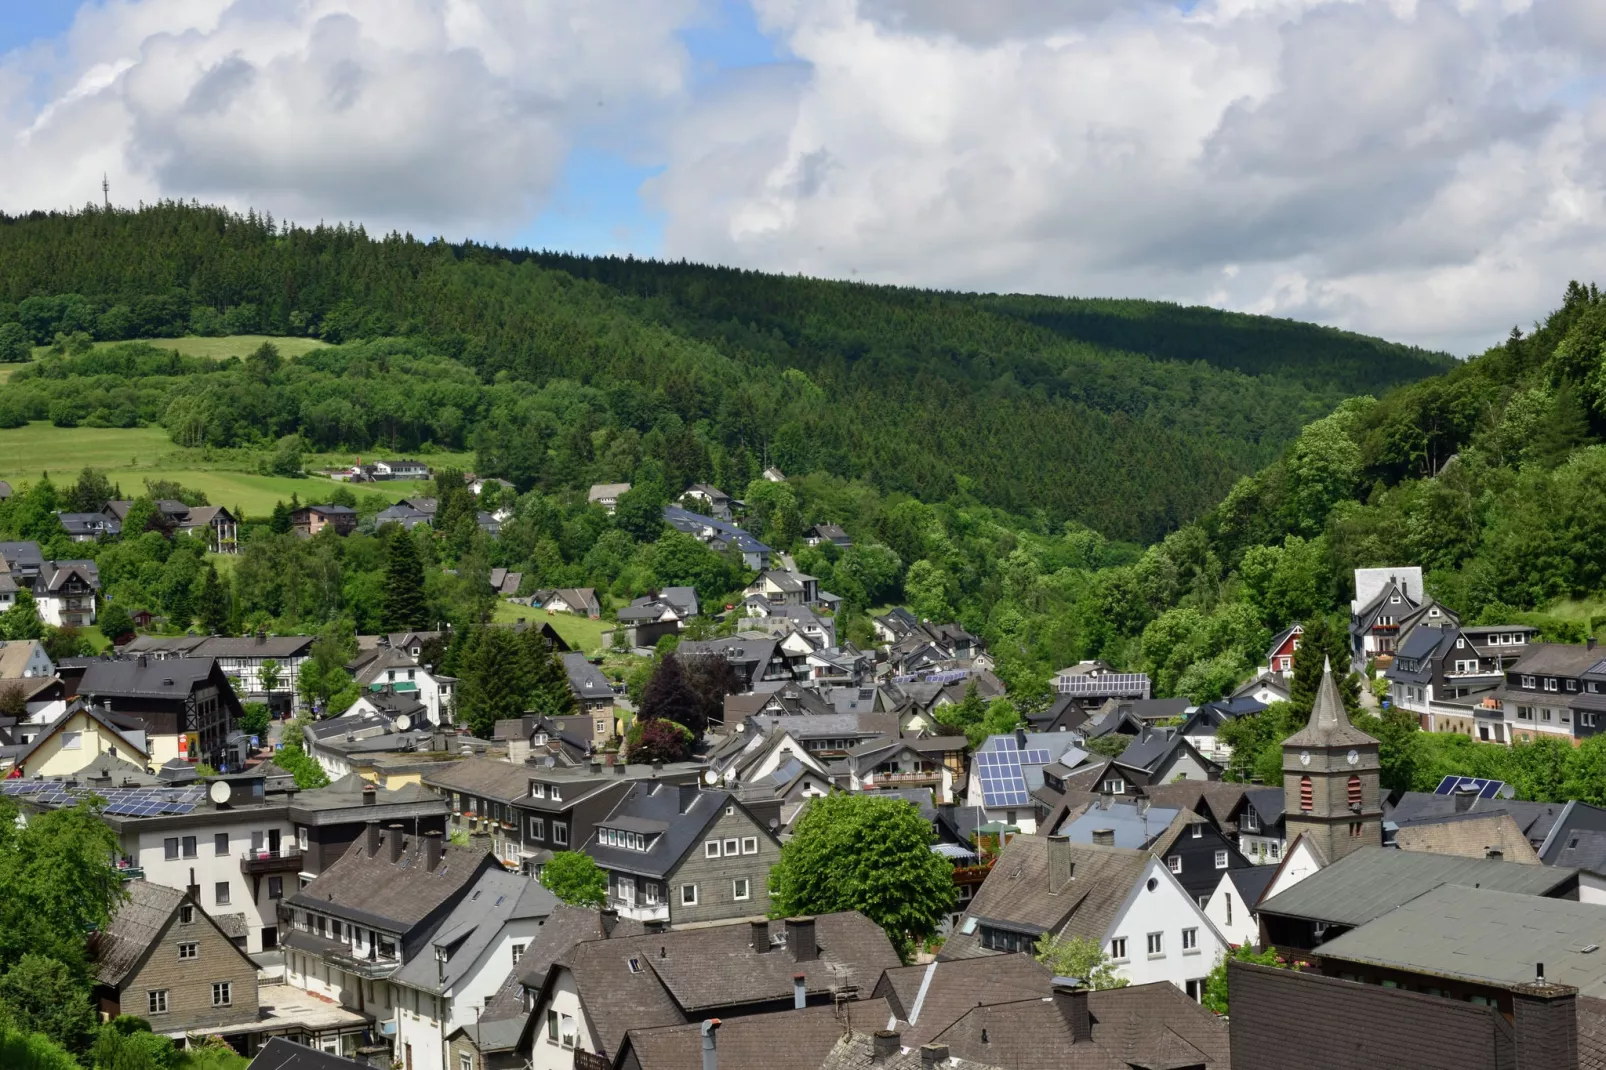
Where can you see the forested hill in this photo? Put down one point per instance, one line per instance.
(1131, 417)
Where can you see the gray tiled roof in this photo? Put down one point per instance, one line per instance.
(565, 927)
(660, 804)
(784, 1040)
(930, 997)
(497, 898)
(139, 920)
(271, 646)
(1371, 881)
(485, 777)
(399, 894)
(585, 679)
(281, 1054)
(130, 678)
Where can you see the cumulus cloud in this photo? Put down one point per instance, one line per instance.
(442, 115)
(1426, 169)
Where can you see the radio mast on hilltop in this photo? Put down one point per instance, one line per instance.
(106, 189)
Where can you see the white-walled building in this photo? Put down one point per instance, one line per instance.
(449, 983)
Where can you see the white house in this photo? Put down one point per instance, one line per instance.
(1300, 860)
(450, 981)
(1231, 908)
(22, 659)
(1126, 901)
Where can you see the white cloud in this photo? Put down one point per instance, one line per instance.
(449, 116)
(1423, 169)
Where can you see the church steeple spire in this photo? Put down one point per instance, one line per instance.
(1331, 773)
(1329, 724)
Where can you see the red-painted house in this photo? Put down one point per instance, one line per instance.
(1280, 658)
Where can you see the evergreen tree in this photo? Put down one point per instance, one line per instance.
(546, 678)
(279, 522)
(213, 609)
(669, 698)
(491, 683)
(403, 607)
(1322, 642)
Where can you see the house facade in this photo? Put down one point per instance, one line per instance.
(311, 519)
(1554, 689)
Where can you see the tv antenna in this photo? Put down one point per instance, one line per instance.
(106, 189)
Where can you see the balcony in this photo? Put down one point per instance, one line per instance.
(373, 968)
(927, 779)
(285, 861)
(637, 910)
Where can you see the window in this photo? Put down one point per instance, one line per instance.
(189, 846)
(560, 833)
(275, 887)
(156, 1002)
(1118, 949)
(186, 914)
(710, 848)
(1550, 683)
(72, 740)
(1221, 859)
(553, 794)
(1156, 944)
(733, 847)
(1196, 989)
(741, 889)
(1229, 907)
(1355, 828)
(566, 1031)
(1271, 850)
(222, 893)
(465, 1061)
(688, 895)
(750, 845)
(1197, 831)
(1190, 939)
(1525, 713)
(170, 847)
(1174, 863)
(518, 953)
(301, 838)
(1586, 720)
(1355, 792)
(1250, 822)
(222, 994)
(1544, 714)
(537, 791)
(220, 844)
(189, 950)
(1115, 786)
(1307, 799)
(552, 1027)
(1572, 685)
(602, 726)
(537, 828)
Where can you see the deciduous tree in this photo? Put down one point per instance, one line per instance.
(576, 879)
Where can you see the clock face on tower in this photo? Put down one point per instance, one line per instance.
(1353, 756)
(1304, 757)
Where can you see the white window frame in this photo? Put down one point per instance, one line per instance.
(192, 948)
(688, 895)
(1118, 949)
(1190, 940)
(1156, 945)
(733, 846)
(225, 990)
(1174, 863)
(1223, 859)
(741, 889)
(750, 845)
(156, 1001)
(711, 849)
(560, 833)
(537, 828)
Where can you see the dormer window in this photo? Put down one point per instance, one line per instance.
(1550, 683)
(1394, 600)
(554, 795)
(537, 791)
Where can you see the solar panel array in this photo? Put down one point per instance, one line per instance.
(123, 802)
(1110, 683)
(1001, 781)
(1454, 785)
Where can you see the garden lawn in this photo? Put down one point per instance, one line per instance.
(581, 633)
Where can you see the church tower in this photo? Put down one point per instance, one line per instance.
(1330, 779)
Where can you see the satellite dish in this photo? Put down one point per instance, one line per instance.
(710, 777)
(404, 722)
(218, 792)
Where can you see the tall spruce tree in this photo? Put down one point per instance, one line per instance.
(492, 683)
(213, 607)
(403, 607)
(546, 678)
(1321, 642)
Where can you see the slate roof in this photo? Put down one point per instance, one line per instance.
(1151, 748)
(395, 894)
(1577, 838)
(1155, 1026)
(1470, 835)
(1371, 881)
(1251, 882)
(490, 1034)
(281, 1054)
(1016, 896)
(1133, 826)
(565, 927)
(138, 921)
(1534, 818)
(1329, 724)
(1215, 799)
(659, 804)
(128, 678)
(1267, 804)
(585, 679)
(856, 1051)
(497, 898)
(270, 646)
(928, 998)
(1482, 934)
(784, 1040)
(687, 974)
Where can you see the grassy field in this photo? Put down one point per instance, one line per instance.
(129, 456)
(581, 633)
(234, 345)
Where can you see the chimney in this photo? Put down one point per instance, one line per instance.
(886, 1043)
(1143, 805)
(800, 991)
(373, 839)
(618, 768)
(1589, 644)
(1104, 837)
(933, 1054)
(688, 797)
(761, 936)
(395, 843)
(369, 794)
(607, 918)
(710, 1051)
(1544, 1019)
(1060, 867)
(432, 851)
(657, 767)
(1020, 738)
(1464, 800)
(596, 767)
(800, 938)
(1071, 999)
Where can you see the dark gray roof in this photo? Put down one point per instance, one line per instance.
(485, 777)
(493, 1034)
(1151, 748)
(170, 678)
(268, 646)
(497, 898)
(1372, 881)
(585, 679)
(1329, 724)
(137, 922)
(1251, 882)
(930, 997)
(281, 1054)
(1536, 819)
(784, 1040)
(393, 895)
(1267, 803)
(565, 927)
(1577, 838)
(857, 1051)
(656, 807)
